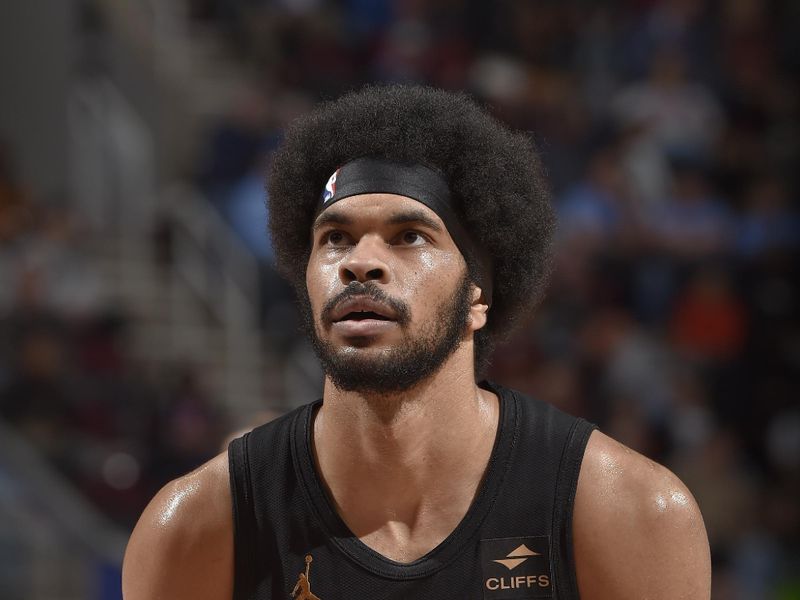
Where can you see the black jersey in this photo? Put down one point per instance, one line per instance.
(514, 542)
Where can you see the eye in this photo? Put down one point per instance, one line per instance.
(335, 238)
(412, 238)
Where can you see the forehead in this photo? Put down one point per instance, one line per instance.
(378, 208)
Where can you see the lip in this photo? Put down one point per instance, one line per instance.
(362, 304)
(362, 328)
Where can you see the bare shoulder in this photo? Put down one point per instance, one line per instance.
(182, 546)
(637, 530)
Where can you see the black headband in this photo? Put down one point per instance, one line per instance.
(418, 182)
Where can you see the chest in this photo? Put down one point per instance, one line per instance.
(512, 542)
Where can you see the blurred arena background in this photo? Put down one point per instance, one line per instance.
(141, 323)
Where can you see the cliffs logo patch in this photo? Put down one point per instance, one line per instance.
(330, 188)
(516, 568)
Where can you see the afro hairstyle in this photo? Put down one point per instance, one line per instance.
(495, 177)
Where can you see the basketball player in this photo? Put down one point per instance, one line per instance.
(416, 230)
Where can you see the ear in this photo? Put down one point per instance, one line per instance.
(478, 310)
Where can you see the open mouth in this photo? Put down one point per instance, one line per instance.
(361, 308)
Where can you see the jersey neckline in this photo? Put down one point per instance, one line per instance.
(448, 550)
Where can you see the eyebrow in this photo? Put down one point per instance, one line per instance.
(331, 216)
(409, 216)
(415, 216)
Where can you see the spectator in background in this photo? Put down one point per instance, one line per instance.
(630, 367)
(190, 427)
(682, 25)
(52, 258)
(693, 224)
(594, 214)
(645, 168)
(37, 398)
(768, 222)
(596, 227)
(709, 322)
(682, 115)
(14, 218)
(233, 143)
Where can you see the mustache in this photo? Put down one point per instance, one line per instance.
(373, 292)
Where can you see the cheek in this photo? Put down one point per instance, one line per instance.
(320, 282)
(432, 271)
(427, 261)
(440, 265)
(328, 278)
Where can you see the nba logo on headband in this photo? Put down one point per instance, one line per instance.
(330, 188)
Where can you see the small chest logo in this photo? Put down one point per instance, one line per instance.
(302, 589)
(516, 568)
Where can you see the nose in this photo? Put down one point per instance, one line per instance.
(365, 262)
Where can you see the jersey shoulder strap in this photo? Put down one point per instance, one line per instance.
(544, 474)
(260, 456)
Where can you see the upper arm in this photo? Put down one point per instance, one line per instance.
(182, 546)
(637, 530)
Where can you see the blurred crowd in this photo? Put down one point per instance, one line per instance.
(670, 132)
(69, 382)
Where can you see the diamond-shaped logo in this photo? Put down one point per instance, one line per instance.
(516, 557)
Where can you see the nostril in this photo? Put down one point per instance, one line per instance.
(374, 274)
(349, 275)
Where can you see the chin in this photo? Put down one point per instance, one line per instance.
(363, 345)
(364, 352)
(352, 344)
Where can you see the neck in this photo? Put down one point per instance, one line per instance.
(394, 459)
(388, 428)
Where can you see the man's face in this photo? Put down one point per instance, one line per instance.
(389, 298)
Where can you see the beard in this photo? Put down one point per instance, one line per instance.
(401, 367)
